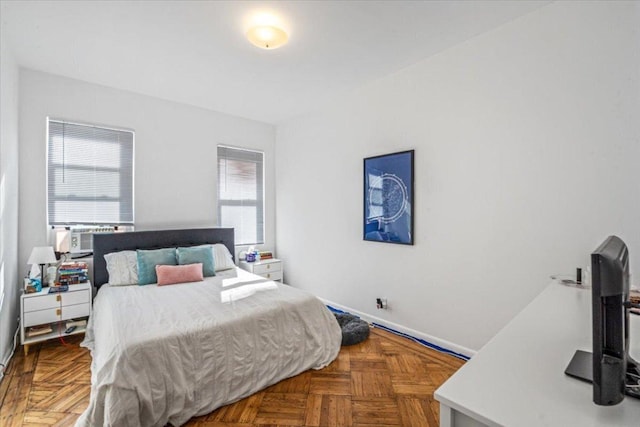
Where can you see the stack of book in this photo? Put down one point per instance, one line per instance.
(72, 273)
(39, 330)
(265, 255)
(634, 297)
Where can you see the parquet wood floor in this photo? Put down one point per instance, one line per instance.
(385, 381)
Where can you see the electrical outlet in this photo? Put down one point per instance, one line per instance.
(381, 303)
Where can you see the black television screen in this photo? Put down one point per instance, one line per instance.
(609, 367)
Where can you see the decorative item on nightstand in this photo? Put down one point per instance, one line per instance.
(42, 255)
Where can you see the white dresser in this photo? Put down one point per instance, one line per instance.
(268, 268)
(43, 308)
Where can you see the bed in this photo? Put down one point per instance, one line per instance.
(164, 354)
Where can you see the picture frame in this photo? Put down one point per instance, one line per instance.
(388, 198)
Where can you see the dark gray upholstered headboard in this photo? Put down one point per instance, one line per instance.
(104, 243)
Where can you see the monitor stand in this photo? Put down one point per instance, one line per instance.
(581, 367)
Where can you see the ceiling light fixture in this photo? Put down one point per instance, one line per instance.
(267, 36)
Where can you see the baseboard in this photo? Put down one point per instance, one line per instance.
(431, 341)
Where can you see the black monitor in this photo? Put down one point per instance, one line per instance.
(609, 367)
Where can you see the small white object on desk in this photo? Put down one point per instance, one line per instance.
(268, 268)
(52, 272)
(43, 308)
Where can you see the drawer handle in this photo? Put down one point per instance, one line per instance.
(58, 298)
(58, 312)
(268, 266)
(268, 275)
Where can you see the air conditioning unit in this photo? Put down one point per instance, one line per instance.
(81, 238)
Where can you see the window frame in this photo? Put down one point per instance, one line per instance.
(50, 165)
(258, 203)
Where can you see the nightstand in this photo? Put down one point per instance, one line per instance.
(42, 308)
(268, 268)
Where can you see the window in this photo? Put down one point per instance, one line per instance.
(241, 193)
(89, 174)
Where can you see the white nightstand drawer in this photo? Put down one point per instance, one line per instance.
(39, 317)
(75, 297)
(77, 310)
(273, 275)
(42, 302)
(271, 267)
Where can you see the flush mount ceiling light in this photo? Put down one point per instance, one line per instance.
(267, 36)
(266, 29)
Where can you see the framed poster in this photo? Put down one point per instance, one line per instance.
(388, 198)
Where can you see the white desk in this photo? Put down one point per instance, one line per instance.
(518, 378)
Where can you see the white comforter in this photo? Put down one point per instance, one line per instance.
(166, 354)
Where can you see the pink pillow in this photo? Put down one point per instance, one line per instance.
(172, 274)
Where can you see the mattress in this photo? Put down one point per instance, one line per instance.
(164, 354)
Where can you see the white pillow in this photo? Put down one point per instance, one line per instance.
(222, 258)
(122, 268)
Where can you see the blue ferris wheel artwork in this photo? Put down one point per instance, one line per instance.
(388, 198)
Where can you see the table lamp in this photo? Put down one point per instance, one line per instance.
(42, 255)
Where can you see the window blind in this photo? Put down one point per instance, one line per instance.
(241, 193)
(89, 174)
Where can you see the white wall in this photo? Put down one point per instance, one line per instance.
(8, 198)
(175, 152)
(527, 147)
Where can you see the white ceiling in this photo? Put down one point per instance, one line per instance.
(195, 52)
